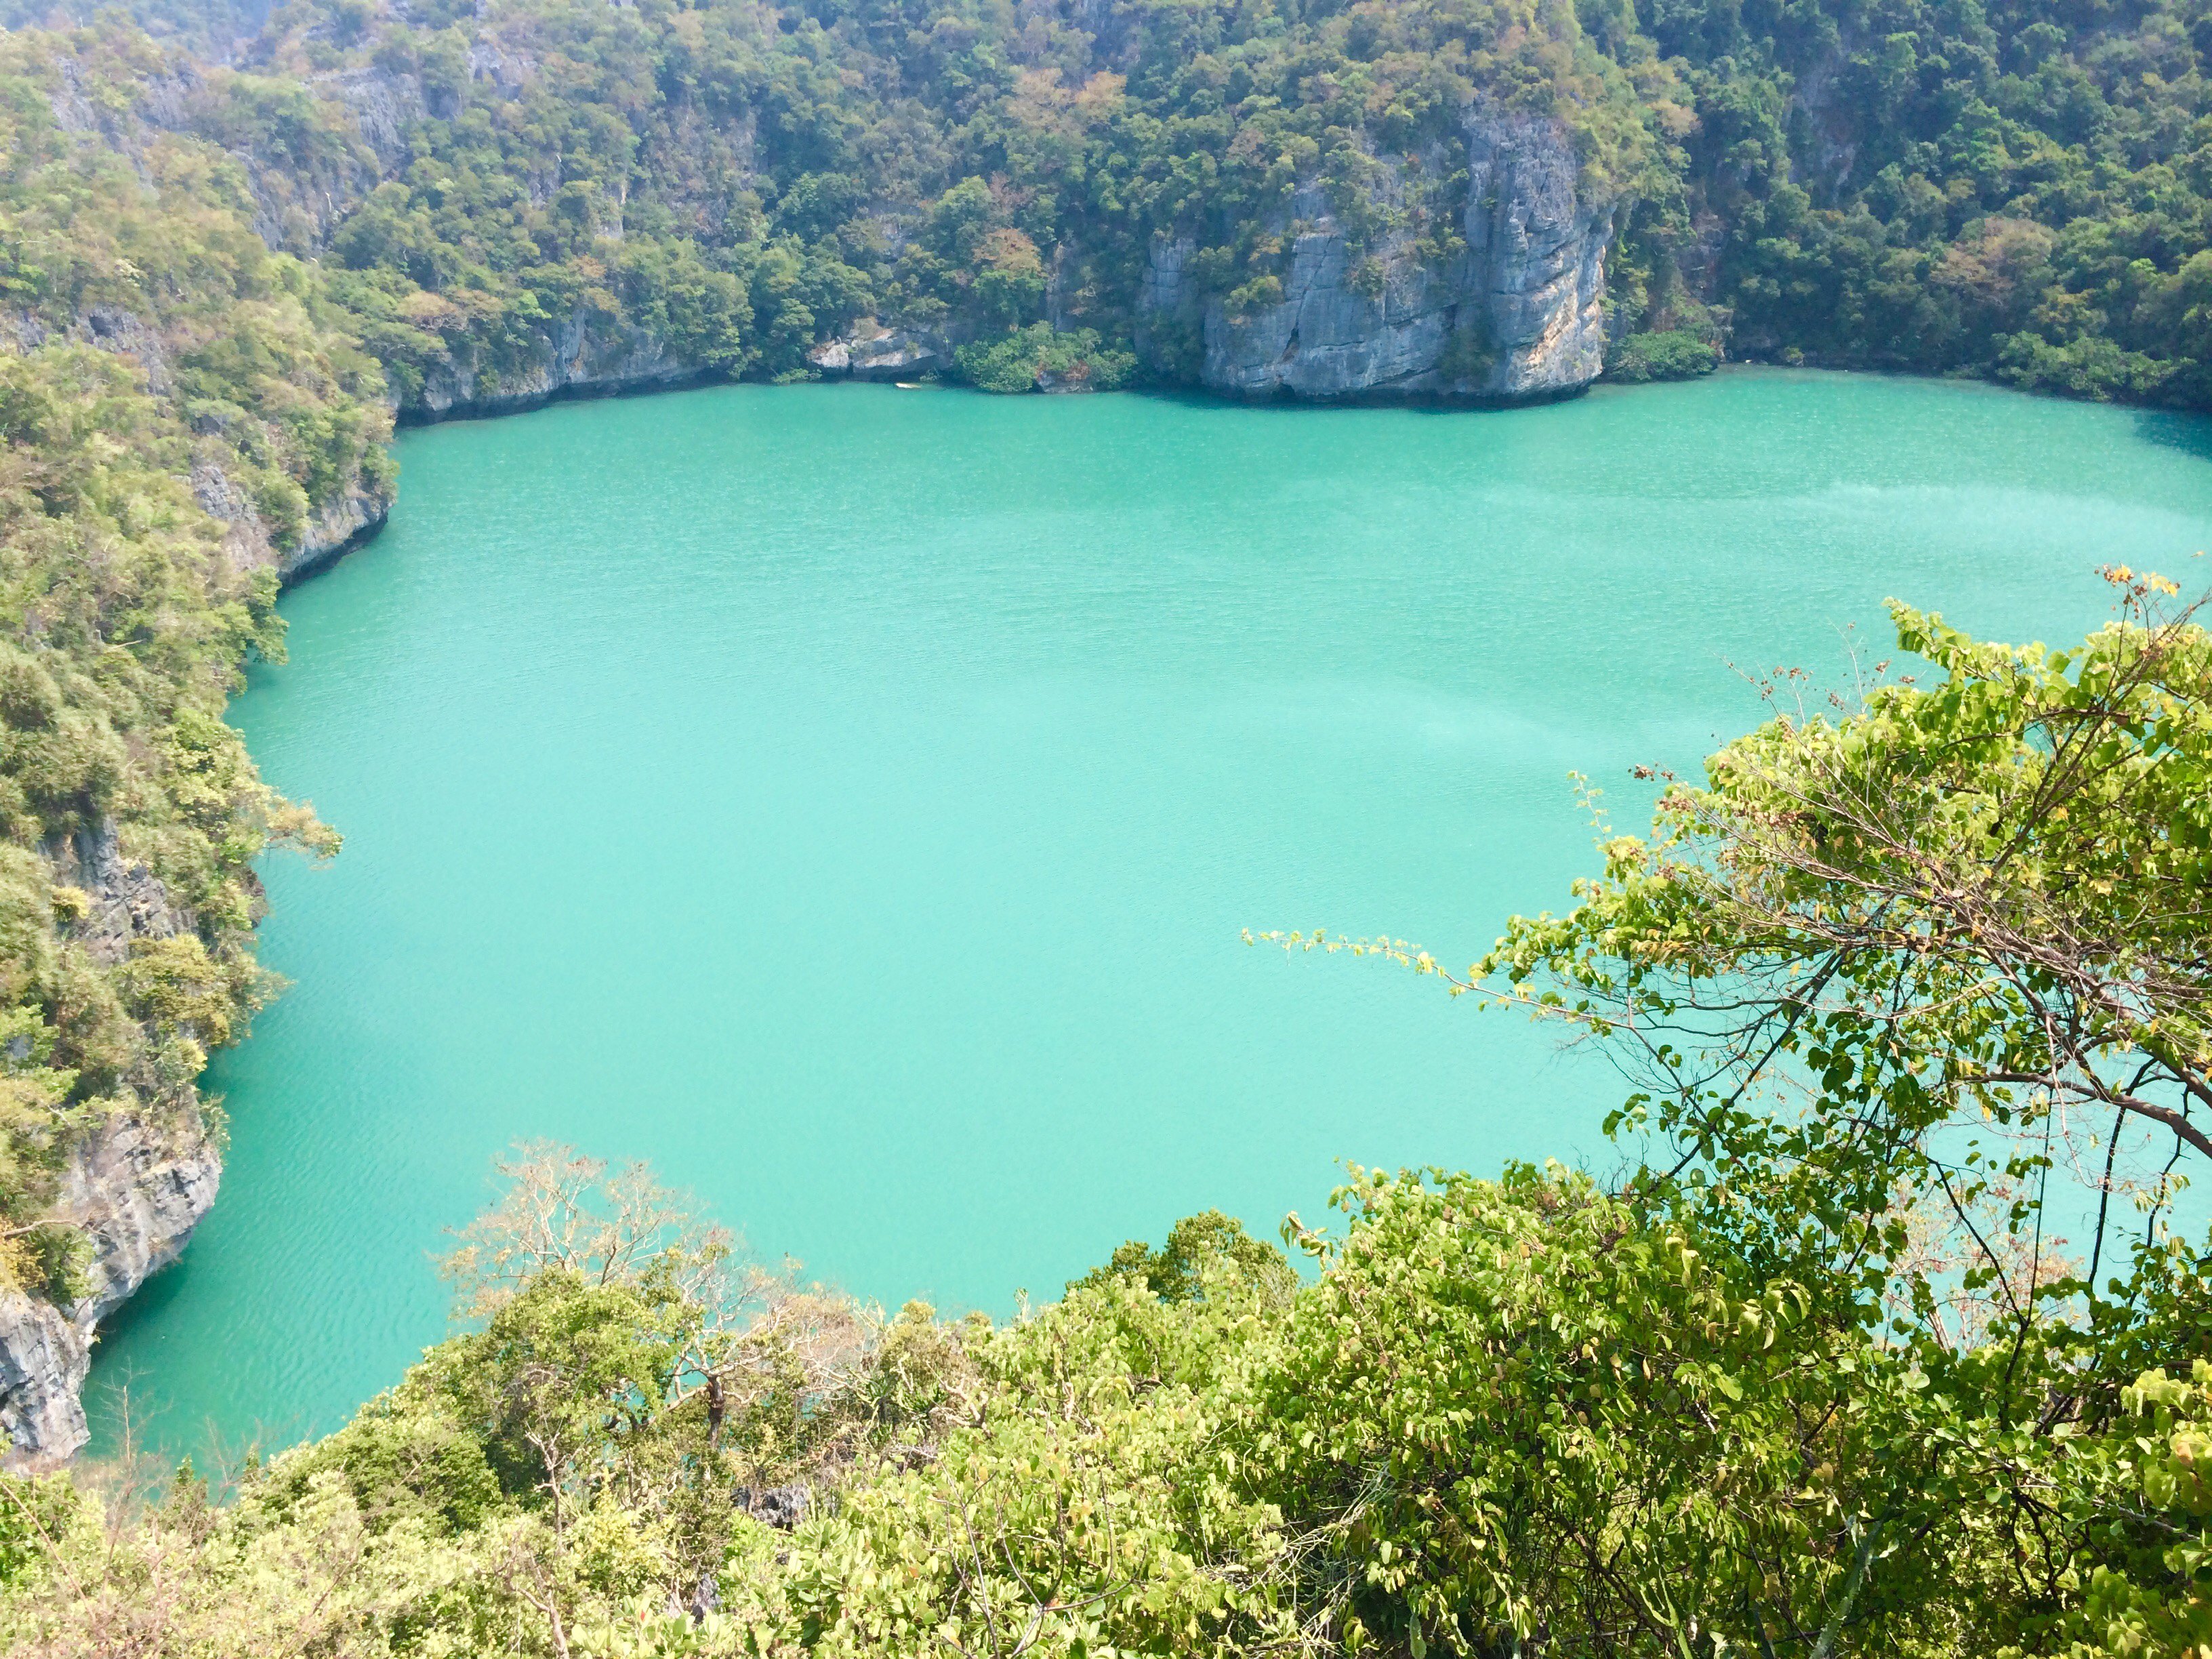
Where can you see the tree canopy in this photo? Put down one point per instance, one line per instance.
(2017, 191)
(1812, 1375)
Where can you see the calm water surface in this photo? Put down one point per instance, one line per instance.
(849, 799)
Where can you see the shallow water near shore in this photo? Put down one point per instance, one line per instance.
(850, 799)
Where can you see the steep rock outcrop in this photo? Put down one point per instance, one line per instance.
(340, 523)
(136, 1183)
(44, 1360)
(587, 354)
(873, 352)
(301, 194)
(124, 901)
(110, 328)
(137, 1188)
(1519, 314)
(700, 168)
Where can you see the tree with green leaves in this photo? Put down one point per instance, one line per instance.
(1815, 1380)
(1970, 922)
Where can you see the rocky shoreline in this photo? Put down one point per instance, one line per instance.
(135, 1186)
(139, 1182)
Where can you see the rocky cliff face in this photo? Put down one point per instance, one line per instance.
(340, 523)
(586, 356)
(133, 1182)
(349, 518)
(301, 198)
(872, 352)
(137, 1185)
(1519, 314)
(137, 1188)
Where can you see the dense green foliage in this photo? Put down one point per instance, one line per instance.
(157, 338)
(774, 176)
(1813, 1377)
(1817, 1382)
(1038, 357)
(1678, 354)
(2017, 191)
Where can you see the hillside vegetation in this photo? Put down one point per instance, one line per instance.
(1815, 1376)
(158, 354)
(2017, 191)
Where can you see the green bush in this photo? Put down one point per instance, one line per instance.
(1035, 359)
(1675, 355)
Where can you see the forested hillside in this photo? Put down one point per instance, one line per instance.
(179, 417)
(1813, 1375)
(2015, 189)
(2016, 192)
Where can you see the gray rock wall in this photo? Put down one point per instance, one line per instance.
(135, 1184)
(1519, 314)
(126, 901)
(44, 1360)
(138, 1188)
(872, 352)
(342, 523)
(336, 526)
(586, 355)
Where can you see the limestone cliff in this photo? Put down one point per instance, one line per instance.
(586, 354)
(135, 1182)
(137, 1188)
(1518, 314)
(301, 198)
(873, 352)
(343, 522)
(357, 511)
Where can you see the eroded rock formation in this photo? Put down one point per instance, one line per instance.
(1519, 314)
(136, 1183)
(137, 1188)
(873, 352)
(584, 353)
